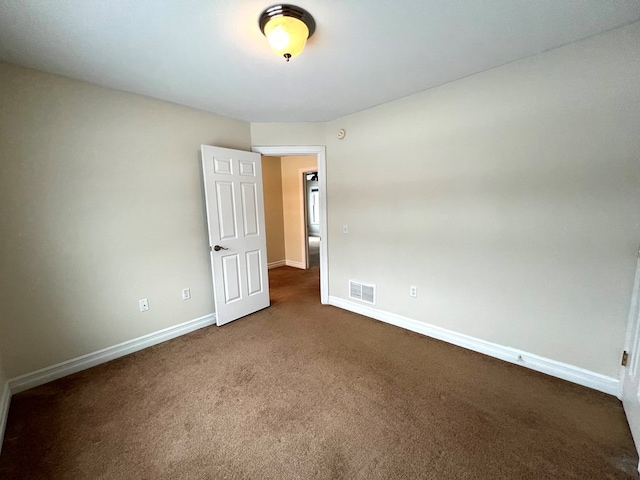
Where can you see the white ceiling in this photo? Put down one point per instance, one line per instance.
(210, 54)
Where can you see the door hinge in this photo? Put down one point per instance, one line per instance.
(625, 358)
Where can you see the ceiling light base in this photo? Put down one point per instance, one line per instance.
(287, 28)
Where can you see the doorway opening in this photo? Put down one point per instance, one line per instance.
(320, 168)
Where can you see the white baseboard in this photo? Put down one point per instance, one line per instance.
(5, 400)
(48, 374)
(565, 371)
(292, 263)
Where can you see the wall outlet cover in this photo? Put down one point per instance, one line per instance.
(144, 304)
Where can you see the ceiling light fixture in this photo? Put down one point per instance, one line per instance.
(287, 28)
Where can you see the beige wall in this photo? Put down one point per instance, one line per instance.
(263, 134)
(101, 205)
(274, 220)
(510, 198)
(293, 206)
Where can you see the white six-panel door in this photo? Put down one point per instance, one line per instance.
(235, 216)
(631, 373)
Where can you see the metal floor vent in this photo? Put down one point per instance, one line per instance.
(362, 291)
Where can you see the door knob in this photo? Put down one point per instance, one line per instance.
(217, 248)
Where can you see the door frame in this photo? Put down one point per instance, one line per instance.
(320, 152)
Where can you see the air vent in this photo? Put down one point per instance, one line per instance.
(362, 291)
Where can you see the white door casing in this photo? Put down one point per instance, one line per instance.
(631, 373)
(235, 217)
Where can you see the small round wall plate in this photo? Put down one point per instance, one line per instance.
(341, 133)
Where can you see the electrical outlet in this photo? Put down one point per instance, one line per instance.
(186, 293)
(345, 229)
(144, 304)
(413, 291)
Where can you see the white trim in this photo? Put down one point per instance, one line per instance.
(279, 263)
(293, 263)
(551, 367)
(634, 316)
(628, 374)
(5, 401)
(48, 374)
(320, 152)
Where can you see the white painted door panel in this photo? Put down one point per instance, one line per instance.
(631, 373)
(235, 215)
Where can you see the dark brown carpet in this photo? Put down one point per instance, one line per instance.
(304, 391)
